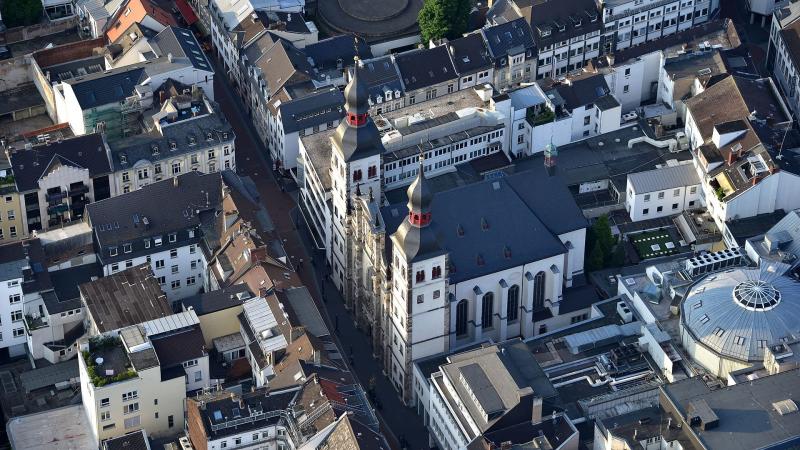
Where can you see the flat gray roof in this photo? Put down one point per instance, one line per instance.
(57, 429)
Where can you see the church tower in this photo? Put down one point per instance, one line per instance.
(419, 306)
(355, 170)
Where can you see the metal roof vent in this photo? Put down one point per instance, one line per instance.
(785, 407)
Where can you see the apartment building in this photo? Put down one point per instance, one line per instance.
(566, 34)
(632, 22)
(783, 54)
(736, 128)
(124, 388)
(132, 229)
(513, 54)
(426, 73)
(184, 132)
(56, 180)
(12, 224)
(472, 60)
(18, 280)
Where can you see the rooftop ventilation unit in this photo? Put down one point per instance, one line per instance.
(711, 262)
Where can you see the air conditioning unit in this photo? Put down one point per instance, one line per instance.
(711, 262)
(624, 312)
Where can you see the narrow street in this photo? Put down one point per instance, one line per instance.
(398, 422)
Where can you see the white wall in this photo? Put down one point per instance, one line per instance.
(186, 255)
(685, 197)
(11, 289)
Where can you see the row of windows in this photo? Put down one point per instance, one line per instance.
(487, 306)
(659, 209)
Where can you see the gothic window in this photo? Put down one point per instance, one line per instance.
(538, 290)
(420, 276)
(372, 172)
(512, 307)
(461, 317)
(487, 307)
(436, 272)
(357, 175)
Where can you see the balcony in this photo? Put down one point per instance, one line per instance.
(53, 197)
(57, 209)
(78, 190)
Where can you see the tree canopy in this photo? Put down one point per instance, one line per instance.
(17, 13)
(443, 19)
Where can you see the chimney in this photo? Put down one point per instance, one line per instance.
(755, 180)
(536, 410)
(730, 158)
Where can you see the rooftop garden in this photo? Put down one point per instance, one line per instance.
(103, 348)
(541, 117)
(7, 180)
(652, 244)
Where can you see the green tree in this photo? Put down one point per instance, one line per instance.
(443, 18)
(596, 259)
(602, 235)
(17, 13)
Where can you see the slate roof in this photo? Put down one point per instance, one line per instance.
(125, 298)
(283, 64)
(329, 53)
(380, 75)
(217, 300)
(176, 347)
(470, 223)
(664, 178)
(87, 152)
(318, 108)
(510, 38)
(550, 14)
(140, 147)
(110, 86)
(181, 43)
(469, 54)
(582, 90)
(422, 68)
(121, 219)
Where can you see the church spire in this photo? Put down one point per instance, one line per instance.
(356, 98)
(419, 198)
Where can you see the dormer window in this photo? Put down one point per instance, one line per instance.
(192, 140)
(123, 158)
(209, 136)
(154, 149)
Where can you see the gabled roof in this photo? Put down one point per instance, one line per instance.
(83, 152)
(380, 75)
(510, 38)
(330, 53)
(471, 223)
(312, 110)
(574, 17)
(181, 202)
(284, 65)
(664, 178)
(136, 11)
(110, 86)
(469, 54)
(425, 67)
(181, 43)
(582, 90)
